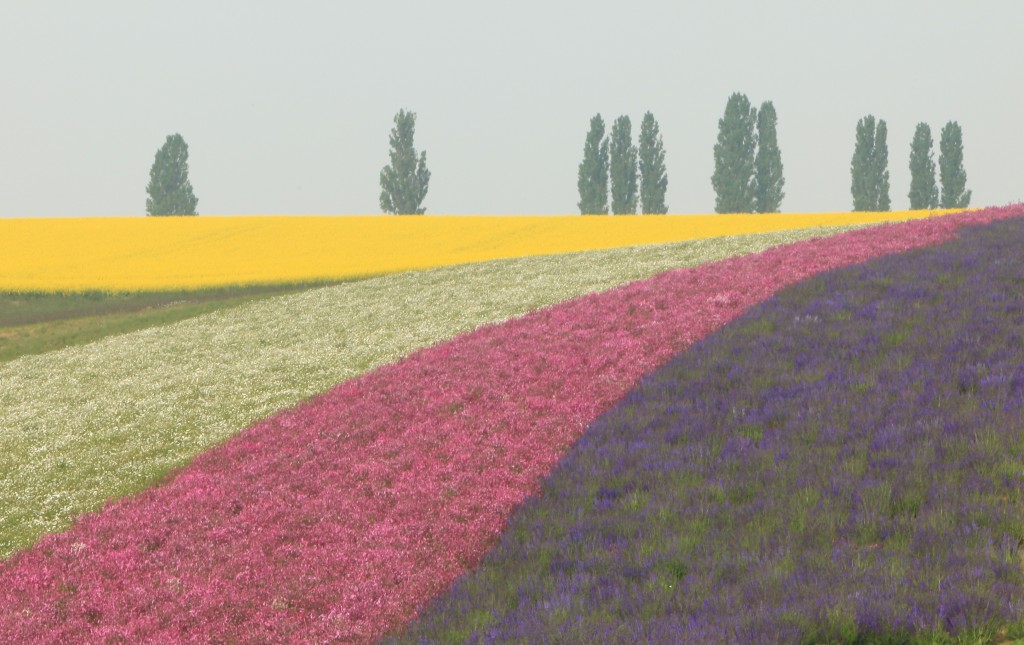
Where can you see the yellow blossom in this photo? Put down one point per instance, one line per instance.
(154, 253)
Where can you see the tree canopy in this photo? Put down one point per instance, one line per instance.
(733, 179)
(169, 188)
(592, 180)
(951, 168)
(768, 179)
(405, 179)
(869, 168)
(653, 176)
(924, 193)
(622, 167)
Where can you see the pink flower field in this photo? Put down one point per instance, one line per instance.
(336, 521)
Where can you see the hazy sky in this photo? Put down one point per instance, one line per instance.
(286, 106)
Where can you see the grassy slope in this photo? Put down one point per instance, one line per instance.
(34, 323)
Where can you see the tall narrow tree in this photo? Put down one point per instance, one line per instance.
(622, 167)
(869, 170)
(405, 179)
(169, 188)
(861, 181)
(951, 168)
(880, 164)
(733, 179)
(923, 191)
(653, 176)
(592, 180)
(768, 177)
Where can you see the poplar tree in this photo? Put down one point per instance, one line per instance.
(405, 179)
(592, 180)
(880, 165)
(768, 177)
(923, 191)
(733, 179)
(169, 188)
(951, 168)
(869, 167)
(622, 167)
(861, 183)
(653, 176)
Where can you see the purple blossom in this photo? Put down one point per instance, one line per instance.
(843, 462)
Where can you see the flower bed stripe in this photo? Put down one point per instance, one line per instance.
(154, 253)
(339, 519)
(843, 463)
(105, 420)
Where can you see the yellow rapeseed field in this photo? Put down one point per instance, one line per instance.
(154, 253)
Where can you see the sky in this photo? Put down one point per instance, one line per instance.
(287, 106)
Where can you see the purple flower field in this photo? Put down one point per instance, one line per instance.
(843, 463)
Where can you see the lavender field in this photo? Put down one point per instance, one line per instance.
(843, 463)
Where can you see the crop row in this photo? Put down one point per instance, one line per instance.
(90, 423)
(844, 463)
(340, 518)
(132, 254)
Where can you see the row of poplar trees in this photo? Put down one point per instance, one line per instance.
(637, 172)
(748, 164)
(747, 179)
(748, 174)
(870, 174)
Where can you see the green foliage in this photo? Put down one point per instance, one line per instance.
(733, 179)
(169, 189)
(951, 168)
(869, 167)
(653, 176)
(768, 163)
(404, 180)
(593, 172)
(34, 323)
(862, 183)
(622, 167)
(924, 193)
(880, 164)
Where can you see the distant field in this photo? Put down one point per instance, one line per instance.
(147, 254)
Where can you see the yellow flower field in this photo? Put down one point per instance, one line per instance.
(154, 253)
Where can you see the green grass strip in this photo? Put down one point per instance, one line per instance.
(35, 323)
(98, 421)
